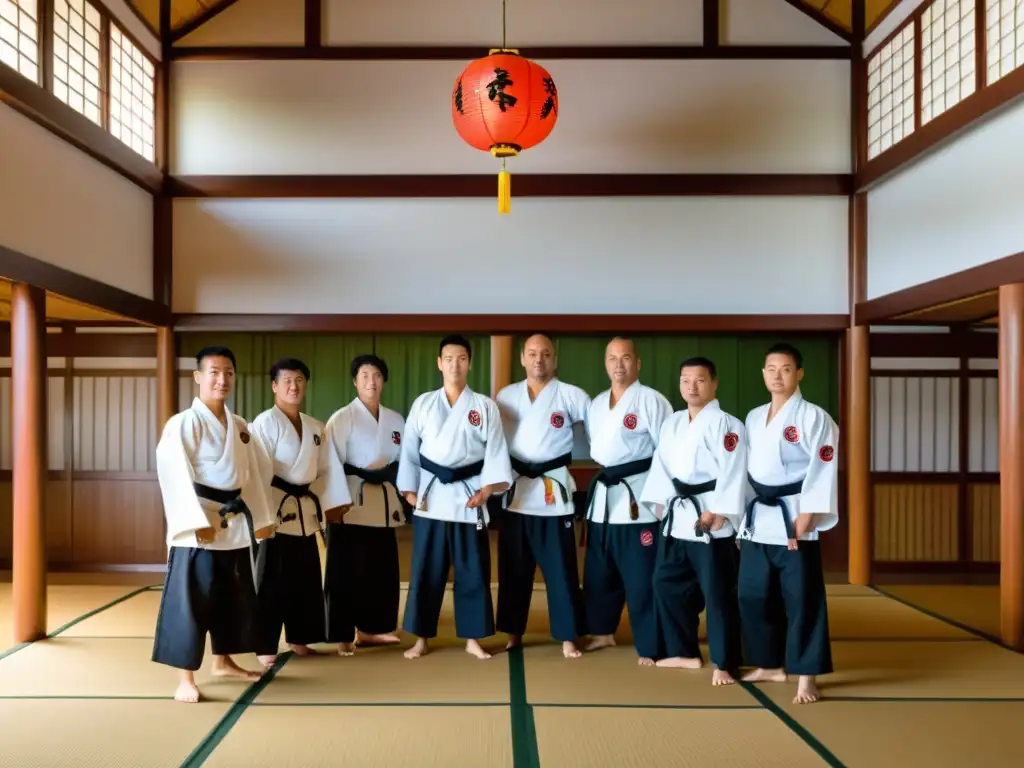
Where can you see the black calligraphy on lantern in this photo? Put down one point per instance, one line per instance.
(549, 103)
(496, 90)
(458, 97)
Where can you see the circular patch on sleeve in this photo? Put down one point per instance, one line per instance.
(826, 453)
(630, 421)
(474, 418)
(396, 438)
(557, 420)
(245, 437)
(731, 441)
(791, 434)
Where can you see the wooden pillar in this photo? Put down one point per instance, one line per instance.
(166, 377)
(1011, 464)
(28, 407)
(858, 453)
(501, 363)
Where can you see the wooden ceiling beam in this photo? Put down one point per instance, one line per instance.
(196, 22)
(822, 19)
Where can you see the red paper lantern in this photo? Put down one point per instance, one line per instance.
(503, 104)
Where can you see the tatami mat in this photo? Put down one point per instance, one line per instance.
(631, 738)
(918, 670)
(102, 734)
(103, 667)
(132, 618)
(64, 603)
(976, 607)
(382, 675)
(368, 737)
(448, 709)
(612, 676)
(934, 734)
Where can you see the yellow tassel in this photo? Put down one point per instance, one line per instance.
(549, 492)
(504, 191)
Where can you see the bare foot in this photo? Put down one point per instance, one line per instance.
(570, 651)
(388, 638)
(597, 642)
(224, 666)
(722, 677)
(346, 649)
(267, 661)
(420, 649)
(514, 641)
(765, 676)
(302, 650)
(643, 661)
(473, 648)
(679, 662)
(806, 690)
(187, 691)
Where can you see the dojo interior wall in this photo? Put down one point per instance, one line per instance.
(626, 116)
(935, 461)
(957, 208)
(60, 206)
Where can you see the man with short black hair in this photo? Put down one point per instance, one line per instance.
(291, 589)
(215, 505)
(792, 469)
(697, 487)
(360, 495)
(454, 458)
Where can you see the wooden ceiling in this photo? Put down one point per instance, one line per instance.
(187, 12)
(59, 308)
(981, 309)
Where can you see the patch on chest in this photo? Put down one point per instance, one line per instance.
(557, 420)
(474, 418)
(244, 436)
(826, 453)
(316, 440)
(731, 441)
(630, 421)
(396, 438)
(646, 538)
(791, 434)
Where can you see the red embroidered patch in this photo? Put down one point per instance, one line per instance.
(630, 421)
(245, 438)
(474, 418)
(646, 538)
(557, 420)
(791, 434)
(826, 453)
(731, 441)
(396, 438)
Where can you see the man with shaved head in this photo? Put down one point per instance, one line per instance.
(623, 424)
(538, 415)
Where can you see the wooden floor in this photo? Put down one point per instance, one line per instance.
(915, 684)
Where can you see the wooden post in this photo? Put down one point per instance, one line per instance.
(28, 406)
(166, 377)
(1011, 464)
(501, 363)
(858, 459)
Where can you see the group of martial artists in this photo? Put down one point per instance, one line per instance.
(669, 524)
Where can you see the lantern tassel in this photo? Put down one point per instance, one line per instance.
(504, 190)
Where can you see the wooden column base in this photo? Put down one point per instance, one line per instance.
(1011, 464)
(858, 456)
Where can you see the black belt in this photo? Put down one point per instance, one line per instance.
(687, 492)
(771, 496)
(449, 475)
(232, 505)
(297, 492)
(384, 476)
(610, 476)
(533, 470)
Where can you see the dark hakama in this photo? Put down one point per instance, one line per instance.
(205, 590)
(291, 593)
(691, 576)
(524, 542)
(362, 583)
